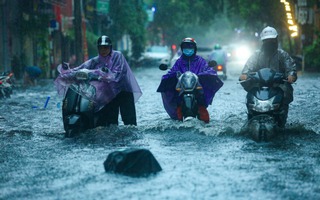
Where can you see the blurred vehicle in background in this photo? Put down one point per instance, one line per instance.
(238, 52)
(220, 56)
(204, 52)
(175, 57)
(156, 55)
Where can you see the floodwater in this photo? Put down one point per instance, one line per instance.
(199, 161)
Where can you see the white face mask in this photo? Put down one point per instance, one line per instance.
(188, 52)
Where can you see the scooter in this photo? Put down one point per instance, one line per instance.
(264, 102)
(220, 69)
(78, 108)
(6, 85)
(188, 87)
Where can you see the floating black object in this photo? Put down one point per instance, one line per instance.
(132, 162)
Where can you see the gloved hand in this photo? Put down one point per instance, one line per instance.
(92, 76)
(243, 77)
(105, 69)
(81, 76)
(291, 79)
(65, 65)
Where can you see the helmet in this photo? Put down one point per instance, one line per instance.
(217, 46)
(268, 33)
(104, 41)
(188, 42)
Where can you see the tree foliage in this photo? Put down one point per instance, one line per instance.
(258, 13)
(312, 53)
(129, 17)
(175, 18)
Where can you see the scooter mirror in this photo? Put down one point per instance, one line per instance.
(105, 69)
(212, 63)
(65, 65)
(163, 67)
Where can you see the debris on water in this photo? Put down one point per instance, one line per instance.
(132, 162)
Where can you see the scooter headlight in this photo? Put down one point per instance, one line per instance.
(262, 105)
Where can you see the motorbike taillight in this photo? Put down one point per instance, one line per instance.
(219, 67)
(0, 82)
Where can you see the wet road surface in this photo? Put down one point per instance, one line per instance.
(199, 161)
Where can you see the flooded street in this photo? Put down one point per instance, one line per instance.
(199, 161)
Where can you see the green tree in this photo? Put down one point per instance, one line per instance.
(312, 52)
(175, 19)
(257, 13)
(130, 18)
(253, 15)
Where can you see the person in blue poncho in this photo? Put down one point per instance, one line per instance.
(189, 61)
(31, 74)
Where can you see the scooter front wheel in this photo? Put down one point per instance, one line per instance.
(70, 133)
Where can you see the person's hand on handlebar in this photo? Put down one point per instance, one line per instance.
(291, 79)
(243, 77)
(92, 77)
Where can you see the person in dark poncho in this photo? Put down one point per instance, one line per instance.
(270, 56)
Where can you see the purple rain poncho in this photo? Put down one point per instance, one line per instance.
(207, 78)
(118, 78)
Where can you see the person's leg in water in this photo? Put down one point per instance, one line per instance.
(203, 113)
(179, 113)
(27, 79)
(109, 114)
(179, 108)
(284, 109)
(282, 120)
(127, 108)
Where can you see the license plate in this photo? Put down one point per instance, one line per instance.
(220, 73)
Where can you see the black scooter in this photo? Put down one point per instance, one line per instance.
(6, 84)
(264, 102)
(188, 87)
(77, 109)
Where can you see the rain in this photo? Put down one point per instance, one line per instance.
(198, 160)
(214, 160)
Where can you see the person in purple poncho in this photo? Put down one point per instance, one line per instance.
(116, 92)
(189, 61)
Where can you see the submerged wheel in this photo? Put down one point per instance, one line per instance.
(71, 131)
(263, 135)
(224, 77)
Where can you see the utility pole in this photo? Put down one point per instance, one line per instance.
(4, 38)
(78, 31)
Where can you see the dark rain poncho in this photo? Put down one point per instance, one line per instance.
(280, 61)
(118, 78)
(207, 78)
